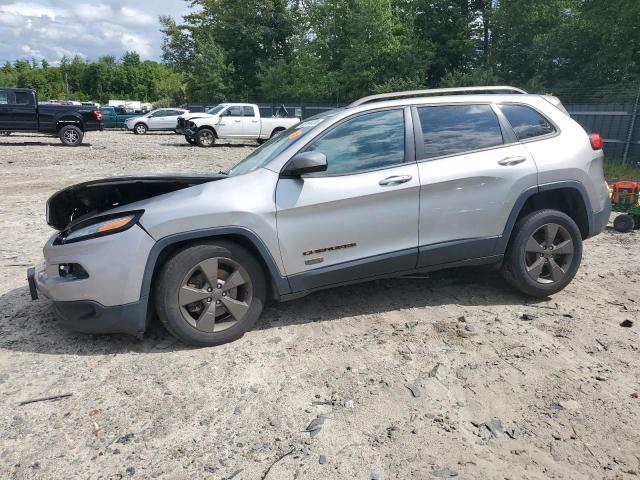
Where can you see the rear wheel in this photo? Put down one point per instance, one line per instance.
(210, 293)
(623, 223)
(140, 129)
(544, 253)
(70, 135)
(205, 138)
(190, 140)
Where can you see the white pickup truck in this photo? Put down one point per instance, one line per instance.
(230, 121)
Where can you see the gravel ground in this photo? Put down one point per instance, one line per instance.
(448, 375)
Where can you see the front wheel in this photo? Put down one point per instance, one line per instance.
(544, 253)
(71, 136)
(205, 138)
(140, 129)
(210, 293)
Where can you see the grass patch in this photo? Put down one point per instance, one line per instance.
(618, 171)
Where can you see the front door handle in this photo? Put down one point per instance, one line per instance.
(395, 180)
(511, 161)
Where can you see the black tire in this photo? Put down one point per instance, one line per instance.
(5, 134)
(176, 277)
(205, 137)
(553, 264)
(276, 131)
(623, 223)
(140, 129)
(190, 140)
(71, 136)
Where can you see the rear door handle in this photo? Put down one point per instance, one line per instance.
(511, 161)
(395, 180)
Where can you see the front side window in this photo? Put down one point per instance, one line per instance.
(526, 122)
(455, 129)
(234, 112)
(366, 142)
(4, 97)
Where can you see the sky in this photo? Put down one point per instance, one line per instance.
(49, 29)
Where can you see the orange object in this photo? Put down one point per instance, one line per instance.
(625, 193)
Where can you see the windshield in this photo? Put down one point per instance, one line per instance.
(261, 156)
(216, 109)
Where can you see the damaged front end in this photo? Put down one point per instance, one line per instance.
(81, 201)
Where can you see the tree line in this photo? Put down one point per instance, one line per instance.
(127, 78)
(332, 51)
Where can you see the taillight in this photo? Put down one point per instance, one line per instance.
(596, 141)
(98, 115)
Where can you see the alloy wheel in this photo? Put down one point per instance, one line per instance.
(215, 294)
(71, 136)
(206, 138)
(548, 253)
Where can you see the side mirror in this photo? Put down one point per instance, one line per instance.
(305, 162)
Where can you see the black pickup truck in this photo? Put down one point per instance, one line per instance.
(20, 112)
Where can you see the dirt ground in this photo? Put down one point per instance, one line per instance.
(447, 375)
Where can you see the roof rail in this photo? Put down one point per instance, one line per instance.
(438, 91)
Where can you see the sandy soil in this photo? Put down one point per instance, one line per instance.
(448, 375)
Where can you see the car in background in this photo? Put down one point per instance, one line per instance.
(231, 121)
(114, 117)
(21, 112)
(156, 120)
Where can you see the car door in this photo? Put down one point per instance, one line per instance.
(250, 124)
(5, 111)
(23, 110)
(472, 171)
(230, 122)
(156, 120)
(359, 218)
(171, 120)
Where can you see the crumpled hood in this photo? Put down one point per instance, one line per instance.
(83, 200)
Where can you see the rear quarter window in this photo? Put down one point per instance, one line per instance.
(526, 122)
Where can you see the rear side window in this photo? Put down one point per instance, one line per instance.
(366, 142)
(248, 112)
(455, 129)
(526, 122)
(23, 98)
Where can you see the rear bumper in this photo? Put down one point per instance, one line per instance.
(599, 221)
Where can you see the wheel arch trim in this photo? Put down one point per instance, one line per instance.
(503, 241)
(280, 283)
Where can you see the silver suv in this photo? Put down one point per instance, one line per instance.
(391, 185)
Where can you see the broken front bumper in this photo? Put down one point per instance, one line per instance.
(105, 296)
(185, 131)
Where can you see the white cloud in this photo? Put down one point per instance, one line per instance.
(52, 28)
